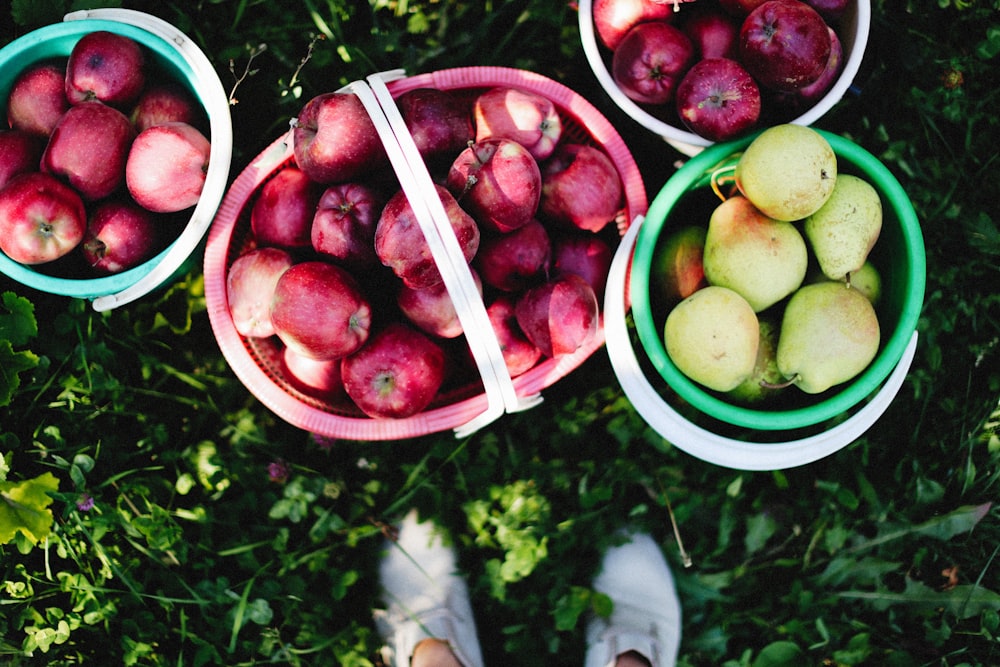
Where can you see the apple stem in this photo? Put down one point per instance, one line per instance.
(779, 385)
(716, 178)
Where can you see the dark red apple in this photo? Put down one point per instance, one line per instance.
(400, 242)
(718, 100)
(105, 66)
(37, 100)
(20, 152)
(163, 102)
(250, 283)
(581, 188)
(498, 182)
(120, 234)
(89, 147)
(511, 262)
(283, 213)
(439, 121)
(41, 218)
(650, 61)
(614, 18)
(586, 255)
(319, 310)
(714, 32)
(396, 374)
(343, 227)
(559, 316)
(814, 92)
(784, 44)
(523, 116)
(167, 167)
(319, 378)
(334, 139)
(432, 310)
(519, 354)
(831, 10)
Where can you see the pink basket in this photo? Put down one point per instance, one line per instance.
(257, 362)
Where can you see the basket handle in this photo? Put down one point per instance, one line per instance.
(704, 444)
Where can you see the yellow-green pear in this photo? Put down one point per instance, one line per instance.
(765, 380)
(712, 337)
(788, 171)
(761, 258)
(829, 334)
(844, 229)
(677, 270)
(867, 280)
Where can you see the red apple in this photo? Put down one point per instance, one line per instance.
(814, 92)
(164, 102)
(519, 354)
(105, 66)
(88, 148)
(439, 121)
(19, 153)
(41, 218)
(343, 226)
(120, 235)
(334, 139)
(319, 378)
(784, 44)
(319, 310)
(167, 166)
(250, 283)
(718, 100)
(524, 116)
(498, 182)
(511, 262)
(432, 310)
(614, 18)
(283, 213)
(650, 61)
(559, 316)
(581, 188)
(396, 374)
(37, 100)
(831, 10)
(400, 242)
(586, 255)
(713, 32)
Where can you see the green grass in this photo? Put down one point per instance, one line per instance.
(219, 535)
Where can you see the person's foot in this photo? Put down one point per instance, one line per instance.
(425, 596)
(646, 618)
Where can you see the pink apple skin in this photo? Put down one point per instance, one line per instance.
(511, 262)
(334, 139)
(586, 255)
(105, 66)
(784, 44)
(250, 283)
(37, 100)
(164, 102)
(396, 374)
(166, 167)
(283, 213)
(581, 188)
(319, 378)
(559, 316)
(714, 33)
(718, 100)
(650, 61)
(41, 218)
(614, 18)
(88, 148)
(524, 116)
(498, 182)
(319, 310)
(438, 120)
(19, 153)
(400, 243)
(519, 354)
(343, 227)
(120, 235)
(432, 310)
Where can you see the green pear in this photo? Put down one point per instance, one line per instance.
(763, 259)
(844, 229)
(712, 337)
(677, 270)
(788, 171)
(765, 381)
(829, 334)
(867, 280)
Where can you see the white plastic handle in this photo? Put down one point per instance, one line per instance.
(704, 444)
(216, 103)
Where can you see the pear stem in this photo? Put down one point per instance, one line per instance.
(716, 178)
(779, 385)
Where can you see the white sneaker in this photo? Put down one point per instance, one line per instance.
(646, 617)
(426, 597)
